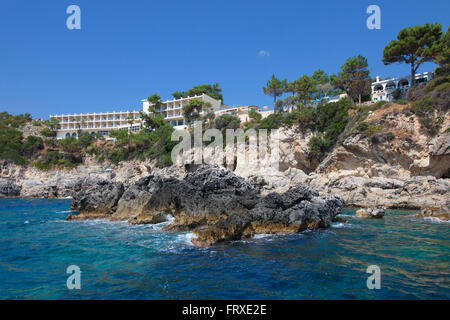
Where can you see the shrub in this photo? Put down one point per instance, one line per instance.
(227, 121)
(422, 107)
(397, 94)
(48, 133)
(254, 116)
(304, 116)
(319, 145)
(441, 97)
(32, 145)
(85, 139)
(362, 127)
(70, 145)
(416, 93)
(272, 121)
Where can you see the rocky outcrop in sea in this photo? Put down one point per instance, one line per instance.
(214, 203)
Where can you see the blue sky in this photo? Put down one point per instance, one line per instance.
(127, 50)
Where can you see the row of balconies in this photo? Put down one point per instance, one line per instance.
(92, 127)
(96, 120)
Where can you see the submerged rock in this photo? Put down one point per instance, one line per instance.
(213, 202)
(372, 212)
(442, 213)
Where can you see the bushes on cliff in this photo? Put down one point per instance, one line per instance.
(227, 121)
(145, 144)
(12, 145)
(430, 102)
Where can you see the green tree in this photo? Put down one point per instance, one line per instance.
(227, 121)
(32, 145)
(211, 90)
(153, 119)
(443, 56)
(70, 145)
(291, 87)
(275, 88)
(193, 110)
(85, 139)
(414, 46)
(354, 77)
(254, 116)
(305, 87)
(51, 128)
(323, 82)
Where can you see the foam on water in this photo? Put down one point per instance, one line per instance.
(436, 220)
(125, 261)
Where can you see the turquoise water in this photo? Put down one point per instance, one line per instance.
(120, 261)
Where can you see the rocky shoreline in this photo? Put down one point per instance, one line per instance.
(214, 203)
(410, 170)
(217, 205)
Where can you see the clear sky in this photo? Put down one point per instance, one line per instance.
(127, 50)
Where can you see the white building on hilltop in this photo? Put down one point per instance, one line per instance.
(382, 89)
(104, 122)
(172, 110)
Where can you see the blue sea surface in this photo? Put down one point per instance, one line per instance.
(122, 261)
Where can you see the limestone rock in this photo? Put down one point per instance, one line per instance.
(9, 188)
(442, 213)
(372, 212)
(95, 198)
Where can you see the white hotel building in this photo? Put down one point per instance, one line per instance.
(104, 122)
(382, 89)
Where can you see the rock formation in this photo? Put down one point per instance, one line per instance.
(442, 213)
(95, 198)
(213, 202)
(372, 212)
(9, 188)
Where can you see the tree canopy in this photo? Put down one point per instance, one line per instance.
(414, 46)
(192, 111)
(211, 90)
(275, 88)
(443, 56)
(354, 77)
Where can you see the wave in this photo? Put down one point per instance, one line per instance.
(436, 220)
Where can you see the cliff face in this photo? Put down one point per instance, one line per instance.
(400, 149)
(399, 165)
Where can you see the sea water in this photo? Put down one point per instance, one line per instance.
(122, 261)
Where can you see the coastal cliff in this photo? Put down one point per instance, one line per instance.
(400, 165)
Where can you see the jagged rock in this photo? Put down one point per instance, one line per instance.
(213, 202)
(372, 212)
(442, 213)
(95, 198)
(202, 196)
(297, 209)
(9, 188)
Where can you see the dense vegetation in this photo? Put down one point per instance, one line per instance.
(211, 90)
